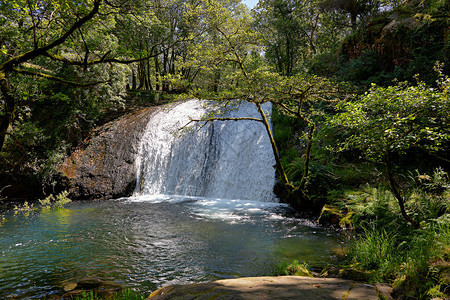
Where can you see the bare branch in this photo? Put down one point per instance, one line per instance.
(225, 119)
(212, 119)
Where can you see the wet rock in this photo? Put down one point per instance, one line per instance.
(99, 288)
(104, 166)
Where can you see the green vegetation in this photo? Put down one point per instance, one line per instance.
(389, 122)
(294, 268)
(127, 294)
(50, 202)
(386, 249)
(371, 153)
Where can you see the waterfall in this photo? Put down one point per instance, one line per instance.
(222, 159)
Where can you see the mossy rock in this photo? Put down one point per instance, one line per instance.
(346, 272)
(99, 288)
(298, 271)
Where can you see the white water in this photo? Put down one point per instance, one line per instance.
(223, 159)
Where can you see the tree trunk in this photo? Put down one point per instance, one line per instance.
(139, 74)
(279, 166)
(353, 20)
(307, 157)
(133, 80)
(7, 115)
(149, 78)
(157, 73)
(396, 192)
(165, 85)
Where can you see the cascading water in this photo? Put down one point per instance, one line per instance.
(223, 159)
(152, 240)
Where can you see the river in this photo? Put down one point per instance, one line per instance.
(149, 241)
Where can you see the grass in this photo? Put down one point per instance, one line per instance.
(417, 266)
(127, 294)
(414, 261)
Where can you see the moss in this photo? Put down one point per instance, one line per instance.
(295, 268)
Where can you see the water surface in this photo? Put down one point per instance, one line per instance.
(149, 241)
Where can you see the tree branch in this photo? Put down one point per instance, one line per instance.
(21, 58)
(54, 78)
(223, 119)
(103, 59)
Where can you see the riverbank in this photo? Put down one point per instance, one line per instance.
(281, 287)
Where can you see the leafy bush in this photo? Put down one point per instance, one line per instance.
(55, 202)
(361, 68)
(50, 202)
(387, 123)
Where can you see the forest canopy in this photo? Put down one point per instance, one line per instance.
(86, 58)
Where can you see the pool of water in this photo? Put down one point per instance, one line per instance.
(150, 241)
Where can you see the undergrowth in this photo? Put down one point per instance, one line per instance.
(50, 202)
(127, 294)
(295, 268)
(387, 249)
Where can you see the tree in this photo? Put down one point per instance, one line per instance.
(356, 10)
(35, 16)
(388, 122)
(294, 32)
(231, 46)
(41, 38)
(284, 36)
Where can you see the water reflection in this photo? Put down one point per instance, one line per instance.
(147, 242)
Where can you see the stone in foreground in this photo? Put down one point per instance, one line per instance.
(283, 287)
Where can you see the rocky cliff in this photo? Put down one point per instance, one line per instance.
(103, 167)
(399, 44)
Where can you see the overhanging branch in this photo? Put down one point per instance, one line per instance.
(10, 64)
(104, 58)
(55, 78)
(225, 119)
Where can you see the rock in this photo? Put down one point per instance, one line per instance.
(282, 287)
(99, 288)
(104, 166)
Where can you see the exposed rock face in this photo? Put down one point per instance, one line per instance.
(404, 42)
(104, 167)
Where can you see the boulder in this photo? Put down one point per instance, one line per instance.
(282, 287)
(103, 167)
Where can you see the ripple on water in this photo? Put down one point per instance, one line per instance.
(146, 242)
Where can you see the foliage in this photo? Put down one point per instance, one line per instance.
(127, 294)
(377, 207)
(50, 202)
(55, 202)
(414, 264)
(390, 45)
(64, 68)
(374, 251)
(295, 268)
(355, 10)
(388, 250)
(394, 120)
